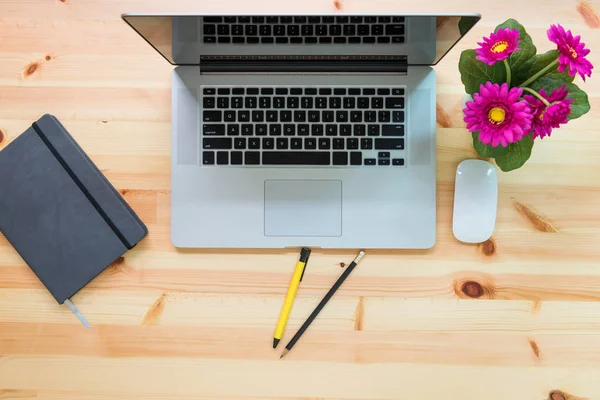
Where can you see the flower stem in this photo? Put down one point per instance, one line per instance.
(536, 94)
(540, 73)
(508, 77)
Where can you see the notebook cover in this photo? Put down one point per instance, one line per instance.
(59, 212)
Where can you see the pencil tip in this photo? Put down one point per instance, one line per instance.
(275, 343)
(285, 351)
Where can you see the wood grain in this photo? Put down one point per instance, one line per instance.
(515, 317)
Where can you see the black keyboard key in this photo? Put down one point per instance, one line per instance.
(354, 40)
(268, 143)
(369, 91)
(300, 20)
(345, 130)
(321, 30)
(356, 20)
(310, 143)
(342, 20)
(370, 20)
(267, 40)
(237, 102)
(261, 130)
(233, 129)
(397, 92)
(339, 91)
(289, 129)
(258, 20)
(331, 130)
(392, 130)
(310, 39)
(296, 91)
(339, 39)
(328, 20)
(230, 20)
(281, 91)
(363, 102)
(352, 144)
(274, 130)
(223, 91)
(224, 39)
(338, 144)
(279, 30)
(327, 116)
(356, 116)
(229, 116)
(286, 20)
(324, 144)
(223, 29)
(210, 39)
(394, 102)
(285, 116)
(272, 20)
(373, 130)
(397, 19)
(316, 130)
(264, 102)
(307, 30)
(314, 116)
(376, 30)
(208, 157)
(213, 129)
(384, 116)
(394, 30)
(349, 102)
(303, 130)
(389, 144)
(296, 143)
(210, 29)
(397, 39)
(363, 30)
(360, 130)
(335, 102)
(209, 116)
(354, 91)
(293, 102)
(213, 20)
(299, 116)
(258, 116)
(237, 30)
(398, 161)
(272, 116)
(282, 143)
(296, 158)
(243, 116)
(370, 116)
(335, 30)
(281, 40)
(314, 19)
(325, 40)
(279, 102)
(236, 157)
(383, 39)
(293, 30)
(321, 102)
(349, 30)
(356, 158)
(306, 102)
(366, 144)
(209, 91)
(251, 30)
(377, 102)
(252, 91)
(340, 158)
(296, 40)
(216, 143)
(266, 91)
(397, 116)
(244, 20)
(247, 130)
(251, 102)
(265, 30)
(341, 116)
(384, 161)
(384, 20)
(383, 91)
(368, 39)
(252, 158)
(238, 91)
(239, 143)
(240, 39)
(370, 161)
(383, 154)
(208, 102)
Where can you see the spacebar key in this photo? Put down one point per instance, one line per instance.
(296, 158)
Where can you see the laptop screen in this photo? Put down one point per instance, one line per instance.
(184, 40)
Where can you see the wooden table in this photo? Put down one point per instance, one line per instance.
(517, 317)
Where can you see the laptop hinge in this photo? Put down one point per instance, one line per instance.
(303, 64)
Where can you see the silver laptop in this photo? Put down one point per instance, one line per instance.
(303, 130)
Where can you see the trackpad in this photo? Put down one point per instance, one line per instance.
(303, 208)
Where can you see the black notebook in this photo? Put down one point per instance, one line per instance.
(59, 212)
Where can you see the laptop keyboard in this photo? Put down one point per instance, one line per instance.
(317, 125)
(304, 29)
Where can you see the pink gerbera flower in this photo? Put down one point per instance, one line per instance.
(572, 52)
(498, 46)
(546, 118)
(498, 114)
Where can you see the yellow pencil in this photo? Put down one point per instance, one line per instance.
(291, 294)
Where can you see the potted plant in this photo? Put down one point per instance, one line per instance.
(519, 96)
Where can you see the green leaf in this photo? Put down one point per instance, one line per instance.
(580, 105)
(538, 62)
(466, 23)
(516, 154)
(528, 50)
(486, 151)
(474, 72)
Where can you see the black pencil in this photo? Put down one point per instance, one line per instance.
(323, 302)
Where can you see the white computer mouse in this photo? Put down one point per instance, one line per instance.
(475, 201)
